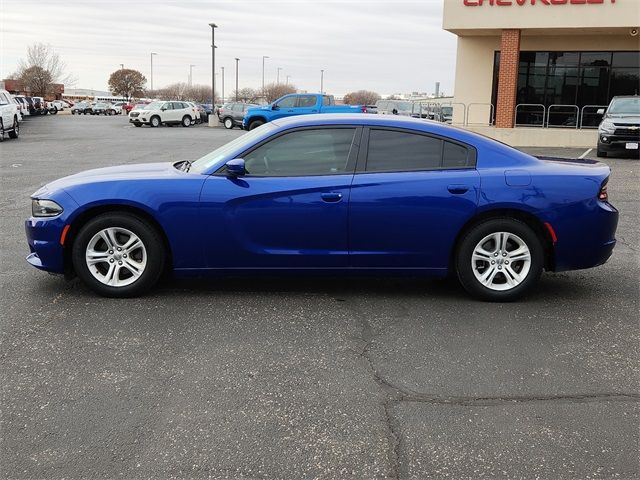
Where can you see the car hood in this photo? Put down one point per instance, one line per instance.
(634, 119)
(143, 171)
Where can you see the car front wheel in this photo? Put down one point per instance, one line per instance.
(499, 260)
(255, 124)
(118, 255)
(154, 121)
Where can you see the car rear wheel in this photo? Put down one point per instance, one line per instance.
(1, 131)
(255, 124)
(154, 121)
(186, 121)
(15, 133)
(228, 123)
(118, 255)
(499, 260)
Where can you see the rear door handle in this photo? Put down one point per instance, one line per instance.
(458, 189)
(331, 197)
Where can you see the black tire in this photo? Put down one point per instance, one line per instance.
(1, 131)
(150, 237)
(601, 154)
(15, 133)
(255, 124)
(475, 235)
(137, 124)
(228, 123)
(186, 121)
(155, 121)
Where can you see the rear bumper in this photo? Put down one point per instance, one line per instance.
(588, 240)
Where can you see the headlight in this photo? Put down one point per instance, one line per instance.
(607, 126)
(45, 208)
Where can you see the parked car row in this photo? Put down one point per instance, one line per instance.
(101, 108)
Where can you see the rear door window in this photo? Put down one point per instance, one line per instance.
(391, 150)
(306, 101)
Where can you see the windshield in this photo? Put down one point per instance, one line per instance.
(622, 106)
(218, 154)
(154, 106)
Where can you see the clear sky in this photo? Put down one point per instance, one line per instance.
(388, 46)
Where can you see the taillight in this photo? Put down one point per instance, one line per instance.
(603, 194)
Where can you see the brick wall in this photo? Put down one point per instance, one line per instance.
(508, 78)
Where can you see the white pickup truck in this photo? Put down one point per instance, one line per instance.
(9, 116)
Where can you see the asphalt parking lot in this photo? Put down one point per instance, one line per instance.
(306, 378)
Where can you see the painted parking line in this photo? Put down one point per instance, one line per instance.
(586, 153)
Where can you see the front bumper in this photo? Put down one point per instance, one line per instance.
(617, 143)
(43, 237)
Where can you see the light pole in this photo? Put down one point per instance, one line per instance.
(288, 76)
(213, 63)
(222, 68)
(278, 80)
(152, 54)
(191, 74)
(237, 60)
(263, 58)
(321, 81)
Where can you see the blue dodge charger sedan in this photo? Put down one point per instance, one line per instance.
(341, 194)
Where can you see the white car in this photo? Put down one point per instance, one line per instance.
(9, 116)
(196, 113)
(169, 113)
(55, 106)
(115, 108)
(22, 106)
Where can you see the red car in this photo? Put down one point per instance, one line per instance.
(127, 107)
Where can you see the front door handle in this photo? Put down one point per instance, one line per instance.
(331, 197)
(458, 189)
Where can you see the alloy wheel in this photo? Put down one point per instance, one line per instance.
(501, 261)
(116, 257)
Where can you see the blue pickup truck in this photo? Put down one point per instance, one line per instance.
(297, 104)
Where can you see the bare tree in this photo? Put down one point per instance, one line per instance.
(182, 91)
(43, 56)
(247, 95)
(273, 91)
(127, 82)
(36, 80)
(200, 93)
(361, 97)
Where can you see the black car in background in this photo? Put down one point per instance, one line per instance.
(619, 131)
(81, 108)
(232, 113)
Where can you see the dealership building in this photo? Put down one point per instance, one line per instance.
(545, 67)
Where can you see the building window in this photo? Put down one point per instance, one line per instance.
(568, 80)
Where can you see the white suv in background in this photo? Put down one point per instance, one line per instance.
(170, 113)
(9, 116)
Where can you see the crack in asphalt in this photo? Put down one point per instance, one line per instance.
(626, 244)
(397, 394)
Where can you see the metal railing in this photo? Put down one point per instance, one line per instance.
(596, 114)
(567, 110)
(534, 113)
(526, 114)
(492, 117)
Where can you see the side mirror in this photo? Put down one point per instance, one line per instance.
(235, 167)
(275, 107)
(600, 111)
(163, 109)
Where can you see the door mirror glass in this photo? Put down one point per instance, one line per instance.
(235, 167)
(275, 107)
(601, 111)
